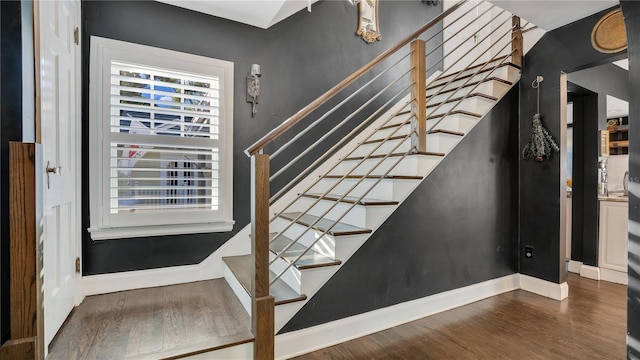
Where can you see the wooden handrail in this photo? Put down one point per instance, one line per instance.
(297, 117)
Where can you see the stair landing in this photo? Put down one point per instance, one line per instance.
(154, 323)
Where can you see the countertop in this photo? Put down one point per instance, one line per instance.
(615, 196)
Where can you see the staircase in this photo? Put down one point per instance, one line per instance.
(307, 230)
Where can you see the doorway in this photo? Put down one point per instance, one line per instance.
(589, 96)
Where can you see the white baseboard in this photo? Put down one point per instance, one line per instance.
(590, 272)
(595, 273)
(574, 266)
(328, 334)
(544, 288)
(210, 268)
(614, 276)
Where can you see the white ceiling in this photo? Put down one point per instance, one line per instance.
(552, 14)
(260, 13)
(622, 63)
(616, 107)
(547, 14)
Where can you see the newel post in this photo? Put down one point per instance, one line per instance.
(516, 42)
(419, 94)
(262, 306)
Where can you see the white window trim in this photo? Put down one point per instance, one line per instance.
(102, 51)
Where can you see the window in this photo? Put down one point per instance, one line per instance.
(160, 141)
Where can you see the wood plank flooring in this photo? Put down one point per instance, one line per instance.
(590, 324)
(153, 323)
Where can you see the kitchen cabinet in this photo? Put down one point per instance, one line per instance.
(613, 235)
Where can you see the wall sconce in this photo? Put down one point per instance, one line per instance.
(253, 87)
(353, 2)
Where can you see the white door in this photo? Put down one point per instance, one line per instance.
(59, 81)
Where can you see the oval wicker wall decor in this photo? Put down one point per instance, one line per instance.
(609, 35)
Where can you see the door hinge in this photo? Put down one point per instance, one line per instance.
(78, 265)
(76, 36)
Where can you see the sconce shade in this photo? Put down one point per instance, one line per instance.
(255, 70)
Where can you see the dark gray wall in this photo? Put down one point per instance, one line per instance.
(607, 79)
(631, 11)
(301, 57)
(584, 213)
(11, 130)
(459, 227)
(565, 49)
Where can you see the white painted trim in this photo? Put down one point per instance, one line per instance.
(154, 230)
(598, 273)
(129, 280)
(543, 287)
(210, 268)
(614, 276)
(590, 272)
(103, 223)
(328, 334)
(574, 266)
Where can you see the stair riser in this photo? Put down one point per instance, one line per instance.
(505, 72)
(238, 289)
(366, 217)
(491, 88)
(388, 146)
(460, 123)
(385, 189)
(441, 142)
(455, 122)
(474, 104)
(383, 133)
(292, 276)
(304, 281)
(329, 246)
(414, 165)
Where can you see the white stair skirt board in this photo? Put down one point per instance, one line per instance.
(210, 268)
(614, 276)
(543, 287)
(307, 340)
(574, 266)
(590, 272)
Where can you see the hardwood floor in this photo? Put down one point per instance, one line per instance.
(162, 322)
(153, 323)
(590, 324)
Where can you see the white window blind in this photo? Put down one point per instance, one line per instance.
(165, 143)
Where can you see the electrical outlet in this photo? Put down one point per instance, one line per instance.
(528, 252)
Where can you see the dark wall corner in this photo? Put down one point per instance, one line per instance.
(562, 50)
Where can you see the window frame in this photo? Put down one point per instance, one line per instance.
(102, 225)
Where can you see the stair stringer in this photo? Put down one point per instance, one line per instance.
(319, 276)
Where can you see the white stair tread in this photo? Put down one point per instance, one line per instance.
(241, 268)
